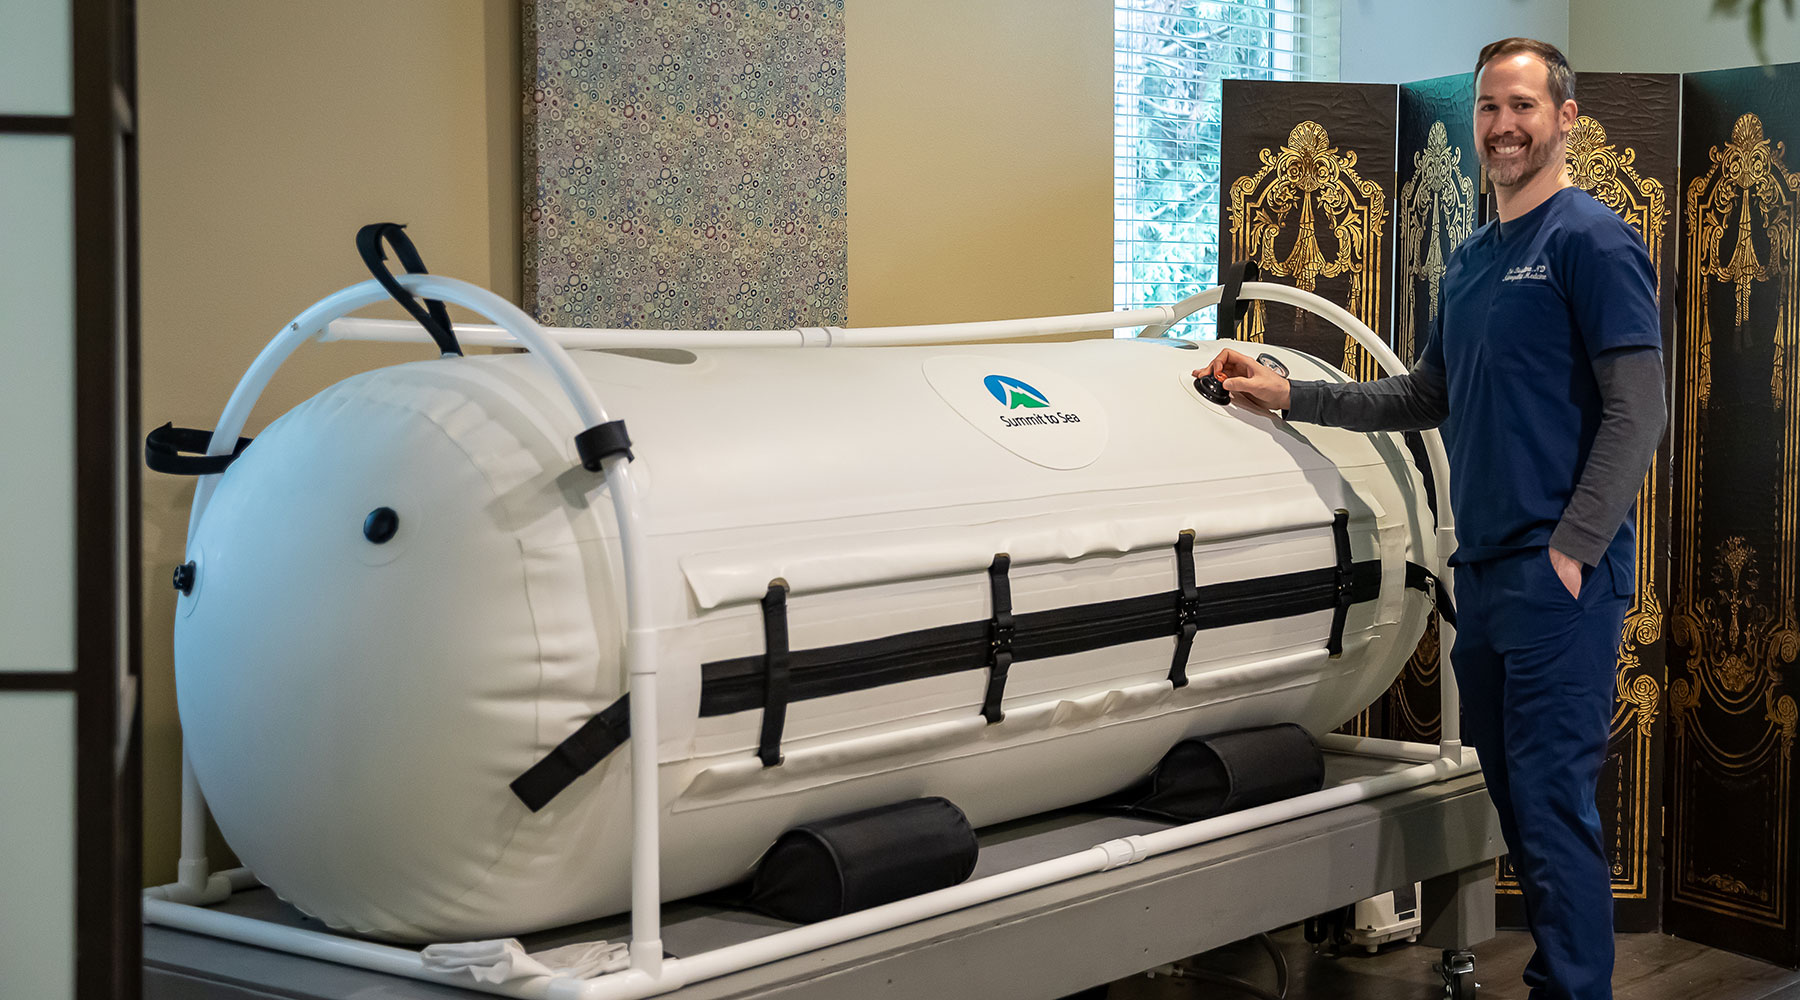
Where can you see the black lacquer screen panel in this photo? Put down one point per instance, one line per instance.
(1733, 620)
(1307, 191)
(1435, 212)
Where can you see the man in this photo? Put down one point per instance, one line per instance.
(1545, 371)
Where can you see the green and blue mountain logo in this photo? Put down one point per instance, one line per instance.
(1013, 393)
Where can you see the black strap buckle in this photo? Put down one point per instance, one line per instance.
(1420, 578)
(1346, 580)
(1000, 638)
(775, 672)
(1187, 608)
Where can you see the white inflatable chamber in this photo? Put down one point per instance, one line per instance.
(356, 712)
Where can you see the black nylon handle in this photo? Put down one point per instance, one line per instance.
(1230, 309)
(432, 316)
(181, 451)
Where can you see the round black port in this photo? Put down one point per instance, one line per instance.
(381, 524)
(184, 576)
(1211, 388)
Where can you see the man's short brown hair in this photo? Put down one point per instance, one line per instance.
(1561, 77)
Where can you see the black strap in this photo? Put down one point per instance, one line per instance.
(736, 684)
(433, 317)
(1420, 578)
(775, 672)
(742, 684)
(602, 441)
(1340, 533)
(181, 451)
(1230, 309)
(1000, 638)
(1187, 608)
(575, 756)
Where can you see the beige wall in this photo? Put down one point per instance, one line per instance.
(1670, 36)
(270, 132)
(979, 187)
(980, 162)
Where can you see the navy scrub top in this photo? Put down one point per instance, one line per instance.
(1524, 315)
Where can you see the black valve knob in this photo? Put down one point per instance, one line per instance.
(1211, 388)
(381, 524)
(184, 576)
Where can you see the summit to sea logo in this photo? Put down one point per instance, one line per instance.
(1017, 395)
(1013, 393)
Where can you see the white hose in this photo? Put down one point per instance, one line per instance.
(581, 338)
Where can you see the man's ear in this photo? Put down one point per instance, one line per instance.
(1567, 115)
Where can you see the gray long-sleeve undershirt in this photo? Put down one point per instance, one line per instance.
(1632, 417)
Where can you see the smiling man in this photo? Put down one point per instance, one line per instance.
(1544, 370)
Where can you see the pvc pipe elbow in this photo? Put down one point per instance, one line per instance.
(205, 890)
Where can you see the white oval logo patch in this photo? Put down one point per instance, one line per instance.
(1037, 414)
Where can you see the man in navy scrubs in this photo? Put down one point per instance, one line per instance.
(1545, 372)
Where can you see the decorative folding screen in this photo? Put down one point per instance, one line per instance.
(1307, 191)
(1733, 616)
(684, 164)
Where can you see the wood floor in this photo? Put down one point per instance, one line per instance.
(1647, 967)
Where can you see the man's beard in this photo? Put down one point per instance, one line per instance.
(1517, 171)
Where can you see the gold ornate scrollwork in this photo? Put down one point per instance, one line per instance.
(1304, 192)
(1436, 214)
(1725, 883)
(1644, 626)
(1741, 227)
(1785, 716)
(1640, 694)
(1683, 699)
(1610, 175)
(1645, 694)
(1735, 606)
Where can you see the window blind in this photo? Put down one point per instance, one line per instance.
(1168, 59)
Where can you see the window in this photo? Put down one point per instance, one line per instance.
(1168, 59)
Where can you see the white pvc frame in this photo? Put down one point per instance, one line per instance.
(182, 904)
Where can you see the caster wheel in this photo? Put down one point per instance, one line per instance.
(1458, 971)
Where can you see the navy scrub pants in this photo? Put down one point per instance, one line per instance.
(1537, 672)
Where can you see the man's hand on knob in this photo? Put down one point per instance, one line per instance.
(1249, 382)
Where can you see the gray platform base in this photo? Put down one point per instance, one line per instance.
(1035, 946)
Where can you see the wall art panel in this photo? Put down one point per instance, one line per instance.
(684, 163)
